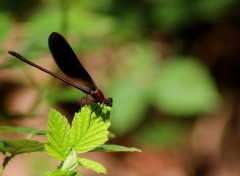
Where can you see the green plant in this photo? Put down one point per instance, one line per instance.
(88, 132)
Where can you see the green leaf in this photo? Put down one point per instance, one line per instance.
(90, 128)
(20, 146)
(128, 114)
(185, 88)
(30, 131)
(59, 137)
(70, 162)
(115, 148)
(89, 164)
(59, 172)
(1, 170)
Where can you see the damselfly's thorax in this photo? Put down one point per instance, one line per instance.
(99, 97)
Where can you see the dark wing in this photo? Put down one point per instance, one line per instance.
(67, 61)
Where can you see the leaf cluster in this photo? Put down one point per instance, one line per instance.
(87, 132)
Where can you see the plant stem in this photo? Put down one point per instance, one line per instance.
(5, 162)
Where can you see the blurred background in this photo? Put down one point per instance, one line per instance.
(172, 68)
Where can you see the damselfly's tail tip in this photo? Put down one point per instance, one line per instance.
(11, 52)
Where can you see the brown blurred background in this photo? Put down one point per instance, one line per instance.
(171, 67)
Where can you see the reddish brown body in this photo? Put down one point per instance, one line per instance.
(99, 97)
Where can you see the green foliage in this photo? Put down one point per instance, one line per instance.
(15, 147)
(184, 87)
(115, 148)
(92, 165)
(88, 132)
(172, 16)
(165, 134)
(11, 148)
(29, 131)
(70, 162)
(59, 136)
(59, 172)
(4, 27)
(132, 91)
(211, 10)
(181, 87)
(129, 112)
